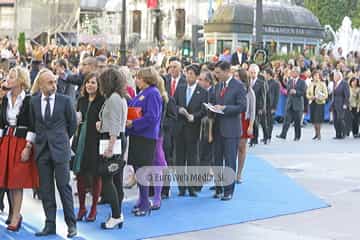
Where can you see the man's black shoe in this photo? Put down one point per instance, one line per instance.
(46, 231)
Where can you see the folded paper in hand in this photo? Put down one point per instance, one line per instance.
(212, 108)
(105, 143)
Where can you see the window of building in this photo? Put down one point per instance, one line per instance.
(137, 21)
(298, 48)
(222, 44)
(284, 48)
(180, 23)
(7, 17)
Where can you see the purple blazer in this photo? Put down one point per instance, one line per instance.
(150, 102)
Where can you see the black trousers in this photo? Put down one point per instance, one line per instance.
(292, 116)
(186, 154)
(113, 191)
(339, 123)
(270, 122)
(355, 121)
(206, 156)
(2, 195)
(168, 145)
(48, 168)
(226, 150)
(261, 120)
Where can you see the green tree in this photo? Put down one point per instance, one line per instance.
(332, 12)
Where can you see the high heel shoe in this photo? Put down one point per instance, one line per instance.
(92, 216)
(142, 213)
(15, 228)
(113, 223)
(81, 214)
(315, 137)
(135, 209)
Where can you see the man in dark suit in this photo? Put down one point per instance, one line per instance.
(173, 81)
(238, 57)
(261, 91)
(340, 103)
(189, 100)
(272, 99)
(228, 96)
(54, 122)
(294, 104)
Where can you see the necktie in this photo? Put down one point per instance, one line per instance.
(188, 96)
(47, 110)
(223, 90)
(173, 87)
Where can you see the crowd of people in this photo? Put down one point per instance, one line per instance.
(74, 109)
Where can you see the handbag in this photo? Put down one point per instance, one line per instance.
(134, 113)
(115, 164)
(110, 166)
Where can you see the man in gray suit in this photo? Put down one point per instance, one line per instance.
(229, 96)
(53, 120)
(296, 89)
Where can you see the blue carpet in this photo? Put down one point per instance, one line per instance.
(266, 193)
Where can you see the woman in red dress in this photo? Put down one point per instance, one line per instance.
(247, 121)
(18, 168)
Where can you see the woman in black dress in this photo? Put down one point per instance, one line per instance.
(87, 158)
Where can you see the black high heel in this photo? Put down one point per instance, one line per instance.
(315, 137)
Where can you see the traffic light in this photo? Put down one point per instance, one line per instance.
(186, 48)
(197, 39)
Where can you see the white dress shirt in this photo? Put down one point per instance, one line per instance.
(12, 111)
(43, 104)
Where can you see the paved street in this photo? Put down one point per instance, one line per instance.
(329, 169)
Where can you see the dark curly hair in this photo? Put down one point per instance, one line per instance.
(112, 80)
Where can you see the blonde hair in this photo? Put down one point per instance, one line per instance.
(36, 85)
(149, 75)
(161, 87)
(22, 75)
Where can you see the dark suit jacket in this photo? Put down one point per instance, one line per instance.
(65, 88)
(54, 135)
(274, 93)
(182, 82)
(235, 58)
(234, 100)
(195, 107)
(341, 96)
(260, 94)
(296, 102)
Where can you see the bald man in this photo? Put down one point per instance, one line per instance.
(53, 120)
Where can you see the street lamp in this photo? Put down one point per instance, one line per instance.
(123, 35)
(259, 24)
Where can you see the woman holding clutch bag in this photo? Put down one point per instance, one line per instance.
(317, 94)
(144, 132)
(112, 127)
(87, 158)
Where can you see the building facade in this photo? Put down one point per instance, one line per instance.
(286, 28)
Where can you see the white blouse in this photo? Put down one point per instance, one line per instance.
(13, 111)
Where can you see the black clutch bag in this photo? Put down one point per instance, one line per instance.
(111, 166)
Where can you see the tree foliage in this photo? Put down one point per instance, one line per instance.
(332, 12)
